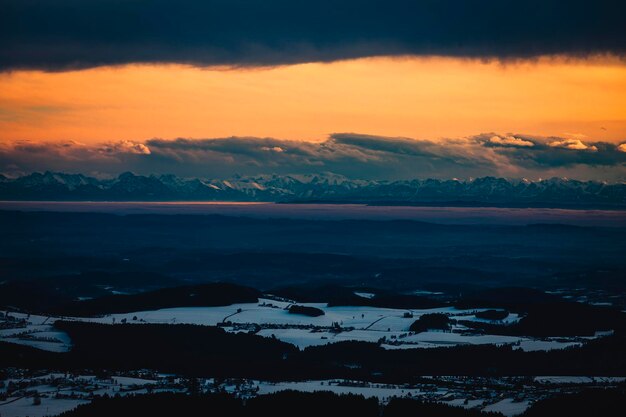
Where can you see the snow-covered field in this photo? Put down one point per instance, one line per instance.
(269, 318)
(508, 406)
(24, 407)
(369, 324)
(36, 331)
(60, 392)
(273, 312)
(381, 391)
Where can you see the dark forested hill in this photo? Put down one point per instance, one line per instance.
(206, 295)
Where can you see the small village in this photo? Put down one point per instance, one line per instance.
(25, 393)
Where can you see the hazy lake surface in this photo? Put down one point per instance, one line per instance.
(445, 215)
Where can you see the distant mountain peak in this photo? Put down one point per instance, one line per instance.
(323, 187)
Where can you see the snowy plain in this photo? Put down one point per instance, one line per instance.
(270, 318)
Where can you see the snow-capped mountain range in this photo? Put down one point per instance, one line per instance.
(327, 187)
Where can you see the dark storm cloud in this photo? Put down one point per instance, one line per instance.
(352, 155)
(61, 34)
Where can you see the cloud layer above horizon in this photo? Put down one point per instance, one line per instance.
(349, 154)
(66, 34)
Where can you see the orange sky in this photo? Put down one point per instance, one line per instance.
(418, 97)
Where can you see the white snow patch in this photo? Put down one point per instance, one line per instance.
(509, 407)
(48, 407)
(364, 294)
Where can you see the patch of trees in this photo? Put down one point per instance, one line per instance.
(544, 315)
(591, 402)
(603, 356)
(433, 321)
(606, 403)
(403, 407)
(492, 314)
(558, 319)
(207, 295)
(160, 405)
(281, 404)
(186, 349)
(305, 310)
(207, 351)
(289, 403)
(569, 319)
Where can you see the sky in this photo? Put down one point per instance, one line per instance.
(371, 89)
